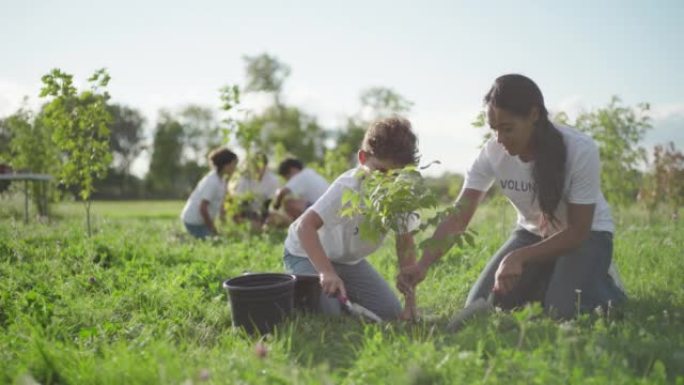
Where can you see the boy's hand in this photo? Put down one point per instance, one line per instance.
(332, 284)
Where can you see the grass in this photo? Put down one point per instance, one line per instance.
(141, 303)
(126, 209)
(13, 206)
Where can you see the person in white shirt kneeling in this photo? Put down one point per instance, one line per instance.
(304, 186)
(560, 253)
(323, 242)
(207, 199)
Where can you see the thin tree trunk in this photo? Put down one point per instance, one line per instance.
(87, 207)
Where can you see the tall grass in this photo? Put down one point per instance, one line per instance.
(141, 303)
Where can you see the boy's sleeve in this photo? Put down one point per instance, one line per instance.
(585, 176)
(480, 174)
(329, 204)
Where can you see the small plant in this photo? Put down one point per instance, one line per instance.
(79, 128)
(32, 149)
(247, 136)
(388, 200)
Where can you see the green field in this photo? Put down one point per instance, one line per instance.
(141, 303)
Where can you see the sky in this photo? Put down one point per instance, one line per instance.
(441, 55)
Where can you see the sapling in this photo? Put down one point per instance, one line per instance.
(79, 123)
(387, 202)
(247, 136)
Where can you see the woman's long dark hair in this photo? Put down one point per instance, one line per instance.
(518, 95)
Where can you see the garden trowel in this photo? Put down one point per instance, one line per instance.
(358, 310)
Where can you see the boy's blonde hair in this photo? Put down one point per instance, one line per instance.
(391, 139)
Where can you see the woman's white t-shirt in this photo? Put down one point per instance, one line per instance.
(514, 177)
(211, 188)
(308, 184)
(339, 235)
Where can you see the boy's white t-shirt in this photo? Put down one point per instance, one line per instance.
(514, 177)
(263, 189)
(308, 184)
(211, 188)
(339, 235)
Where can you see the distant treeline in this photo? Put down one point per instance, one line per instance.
(181, 139)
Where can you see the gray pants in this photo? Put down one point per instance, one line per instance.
(581, 274)
(363, 283)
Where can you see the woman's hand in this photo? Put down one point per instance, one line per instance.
(332, 284)
(509, 272)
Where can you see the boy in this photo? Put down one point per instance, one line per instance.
(304, 183)
(323, 242)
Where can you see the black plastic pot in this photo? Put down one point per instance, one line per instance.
(260, 301)
(307, 293)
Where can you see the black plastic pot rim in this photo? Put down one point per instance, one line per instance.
(228, 286)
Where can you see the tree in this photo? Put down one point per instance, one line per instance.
(31, 149)
(126, 135)
(125, 141)
(182, 141)
(664, 183)
(201, 133)
(265, 73)
(379, 102)
(351, 136)
(298, 131)
(79, 123)
(5, 155)
(376, 103)
(167, 155)
(5, 140)
(248, 136)
(334, 162)
(618, 130)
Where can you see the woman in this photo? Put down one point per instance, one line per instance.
(206, 201)
(562, 247)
